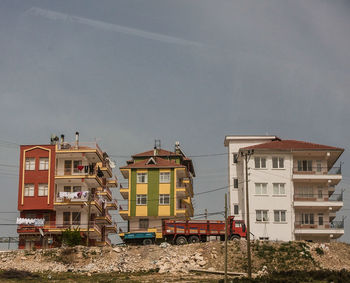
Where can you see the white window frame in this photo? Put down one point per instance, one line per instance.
(277, 162)
(43, 163)
(164, 199)
(43, 190)
(279, 216)
(30, 163)
(279, 189)
(141, 199)
(142, 178)
(29, 190)
(258, 163)
(261, 189)
(164, 177)
(262, 215)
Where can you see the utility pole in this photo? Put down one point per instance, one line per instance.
(206, 214)
(247, 157)
(225, 238)
(89, 216)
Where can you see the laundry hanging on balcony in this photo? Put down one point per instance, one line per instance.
(31, 221)
(74, 195)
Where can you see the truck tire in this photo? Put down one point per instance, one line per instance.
(193, 239)
(147, 242)
(181, 240)
(235, 237)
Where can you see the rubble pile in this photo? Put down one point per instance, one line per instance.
(163, 258)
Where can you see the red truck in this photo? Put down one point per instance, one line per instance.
(190, 231)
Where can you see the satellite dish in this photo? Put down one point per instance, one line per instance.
(112, 164)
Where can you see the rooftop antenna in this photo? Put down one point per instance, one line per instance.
(157, 144)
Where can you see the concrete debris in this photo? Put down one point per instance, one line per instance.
(163, 258)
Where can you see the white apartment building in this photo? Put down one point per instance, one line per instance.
(291, 187)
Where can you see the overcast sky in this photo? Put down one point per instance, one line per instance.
(128, 72)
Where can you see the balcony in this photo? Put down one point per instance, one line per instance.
(112, 183)
(80, 200)
(334, 202)
(57, 228)
(332, 176)
(184, 187)
(111, 228)
(104, 219)
(106, 192)
(124, 191)
(124, 211)
(105, 168)
(334, 229)
(113, 205)
(90, 149)
(92, 176)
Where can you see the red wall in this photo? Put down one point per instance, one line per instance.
(36, 177)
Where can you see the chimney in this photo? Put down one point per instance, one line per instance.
(76, 140)
(155, 151)
(62, 140)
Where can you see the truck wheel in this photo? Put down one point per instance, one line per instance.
(235, 237)
(181, 240)
(193, 239)
(147, 242)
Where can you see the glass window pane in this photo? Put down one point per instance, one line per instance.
(258, 215)
(274, 162)
(283, 216)
(257, 162)
(276, 216)
(281, 162)
(263, 162)
(264, 189)
(265, 215)
(282, 189)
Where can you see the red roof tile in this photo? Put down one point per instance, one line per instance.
(160, 163)
(161, 152)
(292, 145)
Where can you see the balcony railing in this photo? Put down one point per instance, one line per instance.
(79, 146)
(316, 225)
(318, 197)
(317, 170)
(50, 225)
(123, 207)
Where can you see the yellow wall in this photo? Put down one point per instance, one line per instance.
(141, 189)
(164, 189)
(141, 210)
(164, 210)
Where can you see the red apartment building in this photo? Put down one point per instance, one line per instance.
(64, 186)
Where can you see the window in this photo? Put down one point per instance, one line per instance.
(279, 189)
(29, 190)
(76, 189)
(277, 162)
(66, 218)
(304, 165)
(307, 218)
(141, 199)
(141, 178)
(235, 183)
(235, 157)
(320, 219)
(279, 215)
(43, 163)
(67, 167)
(76, 218)
(30, 163)
(261, 216)
(235, 209)
(164, 199)
(260, 162)
(320, 194)
(42, 190)
(164, 177)
(261, 188)
(67, 189)
(77, 166)
(143, 223)
(46, 216)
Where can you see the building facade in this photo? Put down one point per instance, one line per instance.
(160, 187)
(64, 186)
(291, 186)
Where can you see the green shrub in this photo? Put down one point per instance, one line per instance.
(71, 238)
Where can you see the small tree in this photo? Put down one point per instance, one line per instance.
(71, 238)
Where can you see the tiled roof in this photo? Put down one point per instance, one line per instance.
(160, 163)
(292, 145)
(160, 152)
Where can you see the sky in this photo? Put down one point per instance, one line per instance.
(125, 73)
